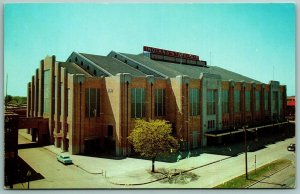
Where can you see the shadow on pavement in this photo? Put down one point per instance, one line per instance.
(20, 173)
(230, 146)
(28, 145)
(235, 145)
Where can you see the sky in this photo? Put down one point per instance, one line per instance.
(255, 40)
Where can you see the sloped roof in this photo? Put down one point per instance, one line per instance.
(112, 65)
(72, 68)
(174, 69)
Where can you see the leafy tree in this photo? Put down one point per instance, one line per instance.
(8, 98)
(15, 100)
(152, 138)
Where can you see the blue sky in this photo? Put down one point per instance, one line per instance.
(255, 40)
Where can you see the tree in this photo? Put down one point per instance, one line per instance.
(8, 98)
(152, 138)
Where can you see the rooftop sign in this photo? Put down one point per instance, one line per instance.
(171, 53)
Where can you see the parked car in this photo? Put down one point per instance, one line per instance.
(291, 147)
(64, 158)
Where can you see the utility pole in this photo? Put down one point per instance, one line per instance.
(246, 163)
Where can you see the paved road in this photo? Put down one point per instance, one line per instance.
(58, 175)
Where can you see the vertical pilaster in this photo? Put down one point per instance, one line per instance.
(32, 96)
(41, 89)
(57, 104)
(36, 88)
(28, 112)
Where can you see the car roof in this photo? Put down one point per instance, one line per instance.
(64, 155)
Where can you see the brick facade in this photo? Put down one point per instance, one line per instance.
(73, 130)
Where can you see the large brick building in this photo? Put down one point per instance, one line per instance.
(92, 101)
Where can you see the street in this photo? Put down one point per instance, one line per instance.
(212, 169)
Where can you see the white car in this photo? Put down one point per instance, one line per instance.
(64, 158)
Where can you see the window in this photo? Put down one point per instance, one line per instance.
(225, 102)
(194, 102)
(92, 102)
(211, 102)
(280, 102)
(137, 102)
(95, 72)
(247, 101)
(266, 100)
(211, 124)
(275, 102)
(88, 67)
(61, 98)
(159, 102)
(81, 63)
(69, 105)
(60, 110)
(237, 101)
(257, 101)
(53, 96)
(76, 59)
(126, 61)
(46, 91)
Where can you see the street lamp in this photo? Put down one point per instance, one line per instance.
(246, 162)
(28, 175)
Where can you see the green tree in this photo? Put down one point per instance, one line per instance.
(152, 138)
(8, 98)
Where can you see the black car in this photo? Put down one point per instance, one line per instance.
(291, 147)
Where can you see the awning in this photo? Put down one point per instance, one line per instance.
(223, 132)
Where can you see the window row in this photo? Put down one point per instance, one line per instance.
(138, 100)
(248, 101)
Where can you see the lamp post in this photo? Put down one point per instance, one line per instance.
(246, 163)
(28, 175)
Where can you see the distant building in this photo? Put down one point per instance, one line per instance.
(92, 101)
(291, 106)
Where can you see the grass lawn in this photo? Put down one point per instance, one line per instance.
(261, 172)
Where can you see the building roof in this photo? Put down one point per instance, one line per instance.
(175, 69)
(112, 65)
(72, 68)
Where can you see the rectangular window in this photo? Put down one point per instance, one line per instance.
(69, 105)
(275, 102)
(61, 98)
(92, 100)
(52, 99)
(280, 103)
(159, 102)
(225, 102)
(247, 101)
(257, 101)
(237, 101)
(194, 102)
(46, 91)
(137, 103)
(211, 102)
(266, 100)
